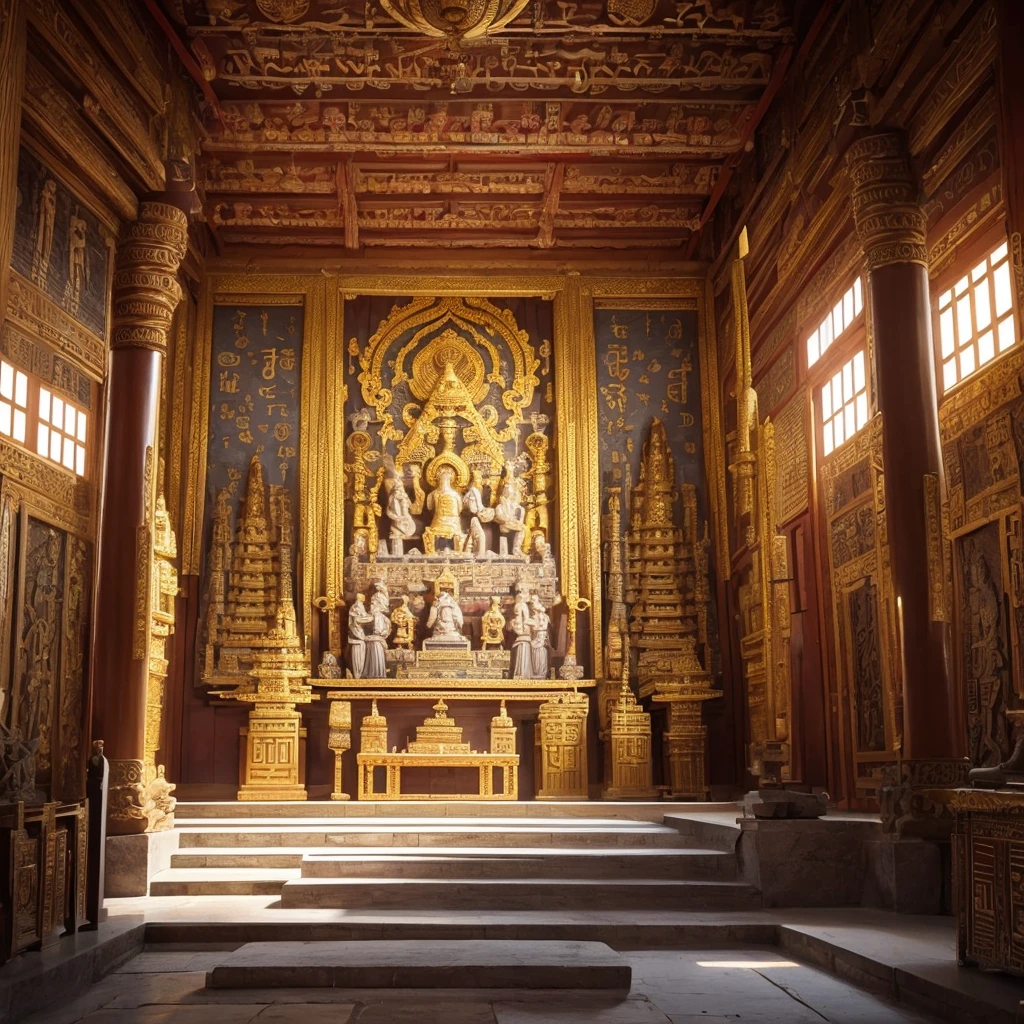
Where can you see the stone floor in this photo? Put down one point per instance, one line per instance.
(757, 986)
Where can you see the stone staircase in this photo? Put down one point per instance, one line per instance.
(479, 856)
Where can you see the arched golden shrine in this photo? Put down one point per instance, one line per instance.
(448, 497)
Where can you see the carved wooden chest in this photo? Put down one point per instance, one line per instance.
(988, 878)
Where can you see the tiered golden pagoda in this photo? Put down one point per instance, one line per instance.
(665, 623)
(252, 640)
(438, 734)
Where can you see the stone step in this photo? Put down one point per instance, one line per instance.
(519, 862)
(483, 964)
(240, 857)
(250, 881)
(718, 835)
(533, 809)
(432, 834)
(516, 894)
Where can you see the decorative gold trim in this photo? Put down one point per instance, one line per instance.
(241, 298)
(492, 286)
(647, 304)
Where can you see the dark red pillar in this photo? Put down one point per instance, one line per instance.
(891, 226)
(146, 292)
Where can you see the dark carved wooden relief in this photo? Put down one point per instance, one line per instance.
(36, 678)
(984, 648)
(866, 675)
(59, 245)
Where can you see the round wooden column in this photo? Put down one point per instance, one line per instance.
(891, 226)
(146, 292)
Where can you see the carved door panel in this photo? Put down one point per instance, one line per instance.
(44, 601)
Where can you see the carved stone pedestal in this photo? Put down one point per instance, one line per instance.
(562, 748)
(272, 766)
(629, 749)
(915, 796)
(339, 740)
(685, 742)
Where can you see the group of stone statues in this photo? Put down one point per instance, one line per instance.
(372, 623)
(447, 508)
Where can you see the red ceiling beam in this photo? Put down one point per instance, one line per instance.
(771, 91)
(184, 56)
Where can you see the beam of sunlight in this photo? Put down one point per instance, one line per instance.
(749, 964)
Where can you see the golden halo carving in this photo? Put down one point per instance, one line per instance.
(476, 317)
(448, 349)
(459, 19)
(452, 460)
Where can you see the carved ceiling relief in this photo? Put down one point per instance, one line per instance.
(482, 108)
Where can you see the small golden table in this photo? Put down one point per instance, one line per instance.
(395, 762)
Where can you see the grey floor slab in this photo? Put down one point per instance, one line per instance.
(750, 986)
(493, 963)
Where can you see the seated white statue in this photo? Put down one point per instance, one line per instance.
(445, 618)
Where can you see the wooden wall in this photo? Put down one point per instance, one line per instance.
(928, 68)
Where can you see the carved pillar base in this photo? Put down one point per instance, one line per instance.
(339, 740)
(272, 767)
(915, 797)
(139, 798)
(685, 742)
(562, 748)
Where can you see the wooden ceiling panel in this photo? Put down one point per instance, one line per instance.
(590, 123)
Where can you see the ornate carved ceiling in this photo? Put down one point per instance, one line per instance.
(579, 123)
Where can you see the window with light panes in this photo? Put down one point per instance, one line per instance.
(61, 433)
(975, 318)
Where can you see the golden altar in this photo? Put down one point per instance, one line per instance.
(465, 551)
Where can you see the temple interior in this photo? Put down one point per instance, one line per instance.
(511, 512)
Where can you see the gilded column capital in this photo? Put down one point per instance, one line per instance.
(146, 289)
(888, 217)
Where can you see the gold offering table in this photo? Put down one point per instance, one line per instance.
(438, 744)
(394, 763)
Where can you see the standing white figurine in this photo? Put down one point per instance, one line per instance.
(473, 503)
(522, 646)
(358, 620)
(539, 642)
(377, 639)
(403, 526)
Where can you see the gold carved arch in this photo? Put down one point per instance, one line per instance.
(475, 367)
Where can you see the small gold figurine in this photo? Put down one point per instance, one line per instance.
(404, 622)
(492, 626)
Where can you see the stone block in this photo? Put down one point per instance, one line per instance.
(491, 963)
(131, 861)
(905, 875)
